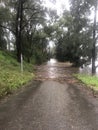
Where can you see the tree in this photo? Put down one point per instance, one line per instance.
(75, 41)
(94, 40)
(4, 15)
(23, 15)
(27, 13)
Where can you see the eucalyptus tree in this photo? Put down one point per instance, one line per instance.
(28, 13)
(24, 15)
(34, 19)
(81, 30)
(89, 6)
(74, 42)
(34, 44)
(95, 4)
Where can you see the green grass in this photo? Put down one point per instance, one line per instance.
(11, 77)
(90, 81)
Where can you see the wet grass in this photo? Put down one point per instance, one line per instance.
(90, 81)
(11, 77)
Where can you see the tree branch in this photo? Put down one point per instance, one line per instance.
(29, 20)
(2, 26)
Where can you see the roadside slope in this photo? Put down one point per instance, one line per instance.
(11, 77)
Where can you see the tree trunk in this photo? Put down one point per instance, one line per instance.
(94, 43)
(17, 33)
(19, 19)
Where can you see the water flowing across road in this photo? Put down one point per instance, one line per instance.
(87, 69)
(53, 70)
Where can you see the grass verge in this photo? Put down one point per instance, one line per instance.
(90, 81)
(11, 77)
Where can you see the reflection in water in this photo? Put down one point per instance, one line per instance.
(87, 69)
(60, 71)
(52, 72)
(52, 61)
(55, 70)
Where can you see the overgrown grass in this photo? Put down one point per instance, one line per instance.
(90, 81)
(11, 77)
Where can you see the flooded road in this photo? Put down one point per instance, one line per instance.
(87, 69)
(53, 101)
(53, 70)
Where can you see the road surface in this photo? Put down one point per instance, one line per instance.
(52, 102)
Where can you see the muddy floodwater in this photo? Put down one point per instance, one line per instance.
(87, 69)
(60, 70)
(55, 70)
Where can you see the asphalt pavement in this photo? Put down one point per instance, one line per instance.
(49, 105)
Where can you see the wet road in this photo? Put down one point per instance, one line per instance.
(52, 102)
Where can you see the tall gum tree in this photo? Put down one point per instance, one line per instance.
(24, 13)
(94, 39)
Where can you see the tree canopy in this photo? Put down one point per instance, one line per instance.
(24, 26)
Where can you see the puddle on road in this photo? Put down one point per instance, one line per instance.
(54, 70)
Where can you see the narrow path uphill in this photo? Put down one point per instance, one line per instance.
(53, 101)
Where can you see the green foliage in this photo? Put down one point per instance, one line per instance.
(35, 46)
(11, 77)
(31, 30)
(21, 34)
(11, 80)
(75, 39)
(90, 81)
